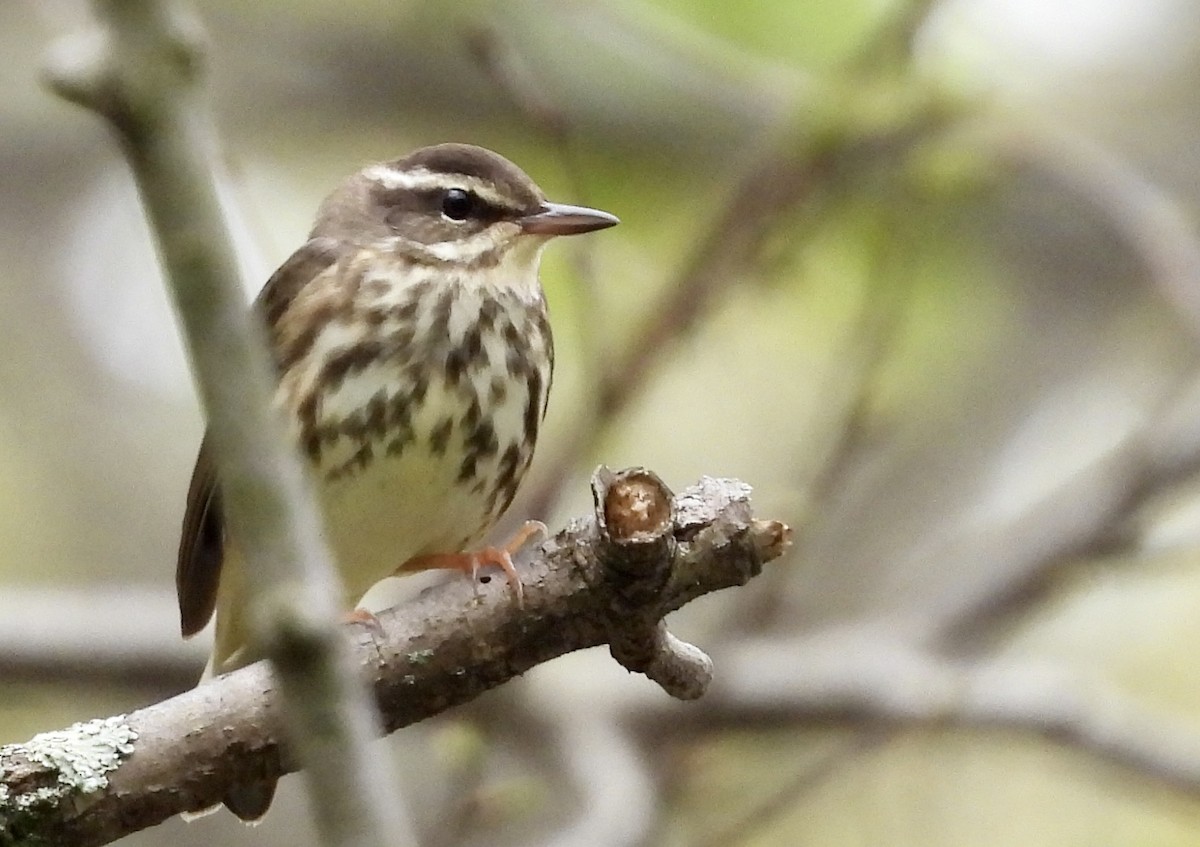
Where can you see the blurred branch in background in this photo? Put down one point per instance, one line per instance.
(138, 69)
(835, 133)
(1155, 226)
(1148, 463)
(96, 635)
(866, 678)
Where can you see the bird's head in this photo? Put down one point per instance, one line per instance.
(452, 205)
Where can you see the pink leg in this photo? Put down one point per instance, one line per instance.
(471, 562)
(364, 617)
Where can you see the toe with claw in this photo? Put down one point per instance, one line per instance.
(471, 562)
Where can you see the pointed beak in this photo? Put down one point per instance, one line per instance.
(561, 219)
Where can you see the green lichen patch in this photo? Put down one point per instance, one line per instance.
(76, 762)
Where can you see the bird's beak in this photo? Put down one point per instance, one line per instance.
(561, 219)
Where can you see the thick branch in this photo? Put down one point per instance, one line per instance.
(593, 583)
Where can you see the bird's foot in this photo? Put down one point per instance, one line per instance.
(364, 617)
(471, 562)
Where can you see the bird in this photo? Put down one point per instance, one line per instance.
(413, 356)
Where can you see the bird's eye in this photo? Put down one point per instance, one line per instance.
(457, 204)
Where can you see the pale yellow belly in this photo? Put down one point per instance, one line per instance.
(398, 508)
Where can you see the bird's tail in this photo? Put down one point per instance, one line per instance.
(251, 799)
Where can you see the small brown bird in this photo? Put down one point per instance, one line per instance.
(413, 351)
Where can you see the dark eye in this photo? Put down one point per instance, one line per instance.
(457, 204)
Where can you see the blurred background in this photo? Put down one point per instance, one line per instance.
(925, 274)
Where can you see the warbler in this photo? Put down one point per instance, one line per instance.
(413, 352)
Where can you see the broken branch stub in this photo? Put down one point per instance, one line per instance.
(635, 519)
(637, 542)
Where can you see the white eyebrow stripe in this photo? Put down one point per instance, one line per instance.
(423, 179)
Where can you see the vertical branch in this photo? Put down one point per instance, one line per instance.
(138, 69)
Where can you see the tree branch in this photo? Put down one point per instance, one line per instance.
(138, 69)
(607, 579)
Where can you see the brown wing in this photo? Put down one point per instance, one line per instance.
(201, 546)
(202, 539)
